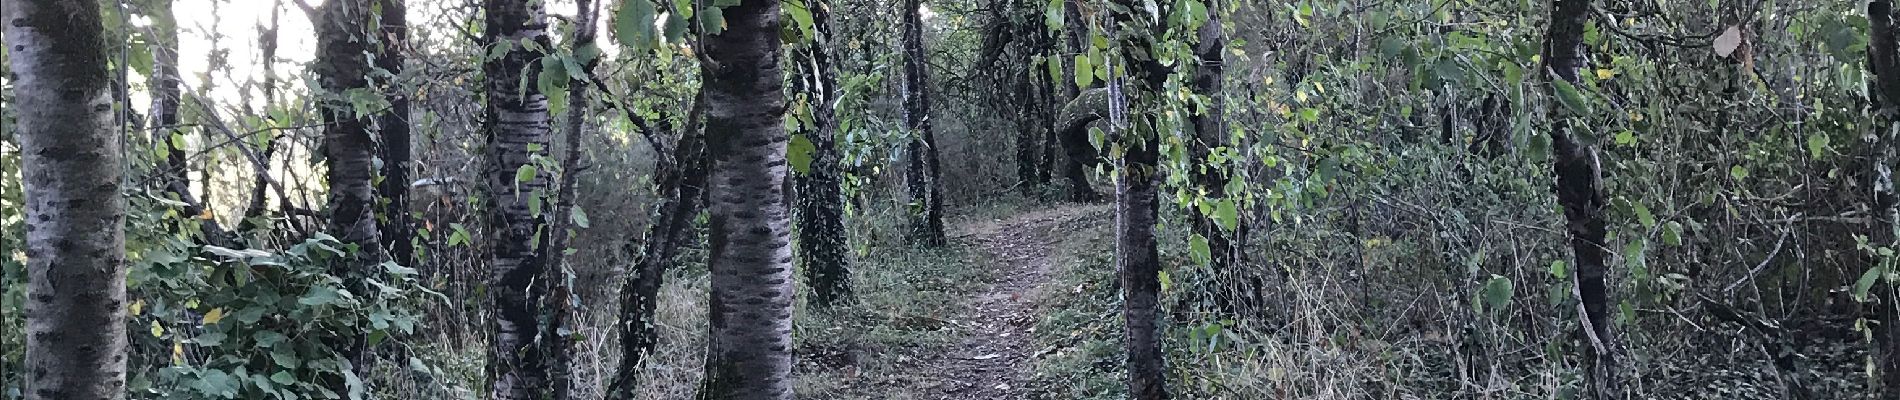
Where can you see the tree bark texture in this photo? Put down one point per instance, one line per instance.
(516, 124)
(72, 171)
(1136, 196)
(749, 355)
(682, 185)
(822, 241)
(923, 174)
(1884, 58)
(1073, 168)
(1579, 190)
(1210, 132)
(397, 228)
(349, 149)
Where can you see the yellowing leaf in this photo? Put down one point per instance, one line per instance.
(1605, 73)
(216, 314)
(178, 353)
(157, 330)
(206, 215)
(1729, 41)
(138, 307)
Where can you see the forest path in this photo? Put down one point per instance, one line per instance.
(992, 356)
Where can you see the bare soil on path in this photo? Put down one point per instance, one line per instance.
(995, 328)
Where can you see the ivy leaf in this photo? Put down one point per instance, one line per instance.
(799, 153)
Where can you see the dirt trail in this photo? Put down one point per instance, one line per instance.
(993, 355)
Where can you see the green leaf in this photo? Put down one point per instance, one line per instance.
(633, 24)
(1738, 172)
(1866, 283)
(799, 153)
(1197, 245)
(1817, 144)
(1571, 98)
(1084, 72)
(1497, 293)
(675, 27)
(525, 173)
(1226, 215)
(1643, 216)
(714, 20)
(577, 216)
(1559, 269)
(283, 378)
(320, 295)
(1672, 233)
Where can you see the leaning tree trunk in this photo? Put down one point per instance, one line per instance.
(1579, 190)
(397, 229)
(682, 182)
(554, 247)
(517, 128)
(71, 170)
(822, 241)
(749, 352)
(1136, 198)
(1884, 56)
(349, 148)
(922, 175)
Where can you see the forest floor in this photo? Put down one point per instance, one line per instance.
(994, 345)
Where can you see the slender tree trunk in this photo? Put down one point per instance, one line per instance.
(1210, 132)
(1579, 190)
(1884, 56)
(397, 229)
(1136, 198)
(822, 240)
(554, 248)
(349, 147)
(165, 94)
(72, 168)
(923, 173)
(516, 124)
(749, 354)
(682, 179)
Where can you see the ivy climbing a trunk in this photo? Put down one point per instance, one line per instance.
(923, 174)
(1579, 188)
(516, 126)
(822, 238)
(749, 348)
(71, 172)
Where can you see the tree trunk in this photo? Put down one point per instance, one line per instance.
(1210, 132)
(1884, 56)
(749, 351)
(923, 174)
(397, 229)
(554, 249)
(1073, 168)
(822, 240)
(682, 183)
(165, 92)
(1579, 190)
(71, 169)
(517, 128)
(1137, 259)
(349, 149)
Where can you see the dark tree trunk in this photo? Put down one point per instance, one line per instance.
(1210, 132)
(922, 175)
(349, 149)
(1073, 168)
(749, 350)
(822, 240)
(682, 183)
(1136, 197)
(1884, 55)
(165, 92)
(516, 124)
(1579, 190)
(71, 170)
(554, 248)
(397, 229)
